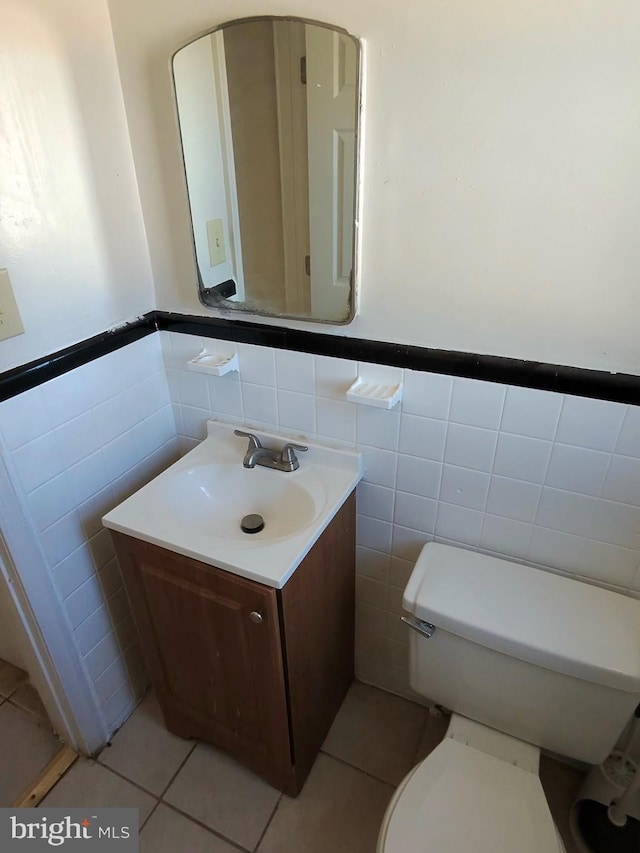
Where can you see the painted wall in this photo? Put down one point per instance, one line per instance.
(71, 230)
(501, 178)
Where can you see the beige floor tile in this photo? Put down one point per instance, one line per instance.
(377, 732)
(561, 783)
(169, 832)
(340, 809)
(27, 698)
(144, 751)
(219, 792)
(434, 730)
(88, 784)
(10, 678)
(26, 747)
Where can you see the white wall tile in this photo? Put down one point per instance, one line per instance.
(470, 447)
(77, 438)
(63, 537)
(372, 592)
(380, 466)
(501, 481)
(225, 394)
(408, 543)
(623, 480)
(427, 394)
(259, 402)
(418, 476)
(373, 533)
(477, 403)
(295, 371)
(194, 421)
(297, 412)
(422, 437)
(616, 523)
(400, 571)
(70, 574)
(334, 376)
(505, 536)
(415, 512)
(38, 461)
(459, 524)
(590, 423)
(94, 629)
(375, 501)
(120, 455)
(377, 427)
(257, 364)
(336, 419)
(577, 469)
(555, 548)
(513, 498)
(51, 501)
(608, 563)
(629, 439)
(521, 457)
(193, 389)
(531, 412)
(67, 396)
(566, 511)
(24, 418)
(81, 603)
(373, 564)
(464, 487)
(87, 477)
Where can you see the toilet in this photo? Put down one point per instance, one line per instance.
(525, 659)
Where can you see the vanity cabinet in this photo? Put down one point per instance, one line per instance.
(256, 670)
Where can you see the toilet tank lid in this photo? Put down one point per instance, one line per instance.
(531, 614)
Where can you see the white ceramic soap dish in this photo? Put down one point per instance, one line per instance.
(213, 363)
(374, 394)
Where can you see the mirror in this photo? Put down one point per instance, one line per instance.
(268, 110)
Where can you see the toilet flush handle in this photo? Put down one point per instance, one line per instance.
(425, 628)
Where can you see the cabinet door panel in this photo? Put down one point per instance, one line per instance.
(218, 675)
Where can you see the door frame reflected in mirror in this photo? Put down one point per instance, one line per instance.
(336, 248)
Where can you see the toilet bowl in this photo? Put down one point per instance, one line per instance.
(524, 659)
(478, 790)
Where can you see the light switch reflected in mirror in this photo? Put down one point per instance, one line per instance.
(269, 111)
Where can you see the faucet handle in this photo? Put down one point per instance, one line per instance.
(288, 455)
(254, 441)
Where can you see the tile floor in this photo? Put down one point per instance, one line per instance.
(194, 798)
(27, 742)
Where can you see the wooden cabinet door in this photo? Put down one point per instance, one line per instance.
(212, 641)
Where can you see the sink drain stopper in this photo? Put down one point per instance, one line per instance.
(252, 523)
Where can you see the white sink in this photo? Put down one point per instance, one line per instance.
(196, 506)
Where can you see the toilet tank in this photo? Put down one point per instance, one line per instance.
(547, 659)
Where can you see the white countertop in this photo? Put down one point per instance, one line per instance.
(195, 507)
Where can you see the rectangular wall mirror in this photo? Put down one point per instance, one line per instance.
(269, 110)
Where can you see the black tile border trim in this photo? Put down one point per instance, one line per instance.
(20, 379)
(616, 387)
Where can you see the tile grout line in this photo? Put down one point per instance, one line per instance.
(360, 770)
(268, 823)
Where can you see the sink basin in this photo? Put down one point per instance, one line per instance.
(196, 506)
(214, 498)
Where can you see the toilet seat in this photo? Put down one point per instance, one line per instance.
(460, 798)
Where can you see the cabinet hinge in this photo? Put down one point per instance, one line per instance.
(303, 70)
(307, 264)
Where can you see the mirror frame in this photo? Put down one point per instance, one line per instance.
(217, 297)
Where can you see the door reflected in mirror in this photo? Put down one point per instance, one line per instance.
(268, 111)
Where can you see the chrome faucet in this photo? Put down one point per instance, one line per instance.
(284, 459)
